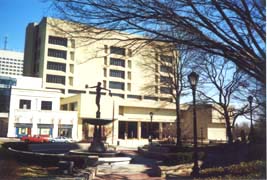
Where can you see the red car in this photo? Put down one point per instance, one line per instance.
(35, 138)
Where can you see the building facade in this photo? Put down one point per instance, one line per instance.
(36, 111)
(68, 62)
(11, 62)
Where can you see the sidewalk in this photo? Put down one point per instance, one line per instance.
(141, 168)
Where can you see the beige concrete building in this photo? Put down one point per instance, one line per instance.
(66, 61)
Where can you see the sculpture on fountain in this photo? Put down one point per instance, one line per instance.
(97, 145)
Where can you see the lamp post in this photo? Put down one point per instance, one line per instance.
(193, 79)
(251, 134)
(150, 128)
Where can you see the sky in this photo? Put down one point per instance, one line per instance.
(14, 17)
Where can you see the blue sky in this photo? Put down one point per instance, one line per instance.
(14, 17)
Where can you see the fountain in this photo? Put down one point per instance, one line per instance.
(97, 147)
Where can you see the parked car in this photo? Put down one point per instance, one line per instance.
(61, 139)
(35, 138)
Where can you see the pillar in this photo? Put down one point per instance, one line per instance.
(139, 130)
(160, 130)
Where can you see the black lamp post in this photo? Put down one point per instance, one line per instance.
(193, 79)
(251, 134)
(150, 127)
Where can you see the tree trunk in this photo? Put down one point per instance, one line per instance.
(178, 120)
(228, 127)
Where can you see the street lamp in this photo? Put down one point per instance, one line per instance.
(193, 79)
(251, 134)
(150, 128)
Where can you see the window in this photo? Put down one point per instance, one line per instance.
(151, 98)
(165, 68)
(166, 99)
(129, 87)
(71, 68)
(56, 66)
(129, 75)
(105, 60)
(116, 85)
(55, 79)
(72, 55)
(58, 40)
(57, 53)
(72, 43)
(165, 79)
(165, 90)
(117, 62)
(71, 81)
(73, 106)
(129, 64)
(46, 105)
(106, 48)
(117, 50)
(116, 73)
(130, 53)
(166, 58)
(130, 96)
(24, 104)
(105, 72)
(64, 107)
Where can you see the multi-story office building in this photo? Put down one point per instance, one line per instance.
(11, 62)
(68, 62)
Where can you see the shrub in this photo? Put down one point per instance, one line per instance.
(244, 170)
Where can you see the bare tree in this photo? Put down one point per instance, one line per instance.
(224, 85)
(170, 71)
(231, 29)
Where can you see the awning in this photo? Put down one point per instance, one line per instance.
(23, 125)
(45, 125)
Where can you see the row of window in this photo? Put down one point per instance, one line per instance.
(10, 62)
(60, 41)
(26, 104)
(56, 66)
(55, 79)
(11, 59)
(57, 53)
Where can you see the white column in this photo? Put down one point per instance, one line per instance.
(139, 130)
(75, 128)
(55, 129)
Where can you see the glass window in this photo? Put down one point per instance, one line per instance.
(166, 58)
(55, 79)
(165, 90)
(117, 50)
(165, 79)
(24, 104)
(116, 85)
(64, 107)
(116, 73)
(117, 62)
(58, 40)
(57, 53)
(56, 66)
(73, 106)
(46, 105)
(166, 69)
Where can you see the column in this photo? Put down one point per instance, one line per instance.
(139, 130)
(160, 130)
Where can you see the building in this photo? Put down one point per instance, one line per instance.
(5, 92)
(11, 62)
(34, 110)
(67, 62)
